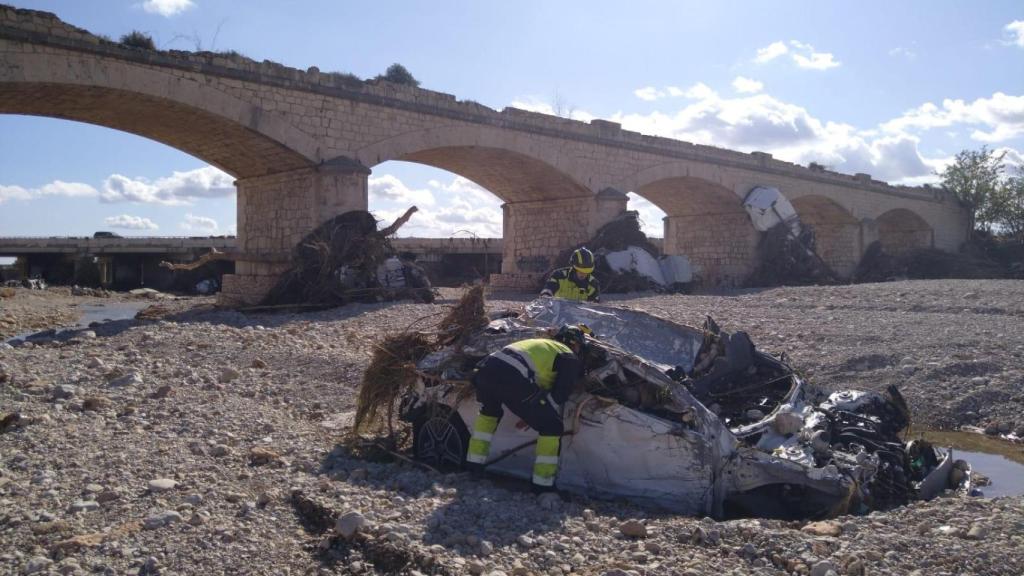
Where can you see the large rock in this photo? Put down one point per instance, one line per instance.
(823, 528)
(227, 374)
(161, 519)
(162, 485)
(128, 380)
(83, 506)
(633, 529)
(349, 524)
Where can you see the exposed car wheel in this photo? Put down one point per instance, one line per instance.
(440, 438)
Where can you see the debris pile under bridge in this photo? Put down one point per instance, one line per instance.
(346, 259)
(627, 261)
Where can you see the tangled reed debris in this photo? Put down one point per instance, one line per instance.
(392, 368)
(391, 372)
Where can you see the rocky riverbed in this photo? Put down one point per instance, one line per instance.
(208, 443)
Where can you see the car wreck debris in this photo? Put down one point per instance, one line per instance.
(787, 254)
(698, 421)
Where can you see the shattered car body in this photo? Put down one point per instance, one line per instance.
(693, 420)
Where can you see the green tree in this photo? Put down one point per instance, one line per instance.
(974, 178)
(1009, 205)
(138, 39)
(398, 74)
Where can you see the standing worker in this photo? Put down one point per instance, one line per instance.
(533, 378)
(575, 282)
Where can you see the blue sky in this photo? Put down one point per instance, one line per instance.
(894, 89)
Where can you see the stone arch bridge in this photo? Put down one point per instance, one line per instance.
(301, 145)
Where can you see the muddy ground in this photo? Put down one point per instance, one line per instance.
(207, 443)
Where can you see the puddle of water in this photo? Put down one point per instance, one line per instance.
(999, 460)
(108, 312)
(98, 312)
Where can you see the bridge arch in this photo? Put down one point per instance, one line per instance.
(172, 109)
(900, 230)
(704, 220)
(837, 233)
(546, 209)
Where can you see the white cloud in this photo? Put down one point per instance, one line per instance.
(770, 52)
(14, 193)
(461, 208)
(55, 188)
(181, 188)
(651, 216)
(649, 93)
(809, 58)
(1016, 31)
(203, 224)
(890, 151)
(789, 132)
(536, 104)
(1002, 117)
(746, 85)
(129, 222)
(388, 187)
(804, 55)
(903, 52)
(167, 8)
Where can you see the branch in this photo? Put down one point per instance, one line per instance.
(399, 223)
(210, 256)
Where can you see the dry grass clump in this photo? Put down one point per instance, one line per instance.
(392, 368)
(389, 374)
(467, 315)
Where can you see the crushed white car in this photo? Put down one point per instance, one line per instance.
(697, 421)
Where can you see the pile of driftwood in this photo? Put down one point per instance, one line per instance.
(340, 262)
(877, 265)
(346, 259)
(788, 259)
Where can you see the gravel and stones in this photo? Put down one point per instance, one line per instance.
(75, 472)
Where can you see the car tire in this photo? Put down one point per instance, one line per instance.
(440, 438)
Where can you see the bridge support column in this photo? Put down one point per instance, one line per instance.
(722, 247)
(536, 232)
(275, 212)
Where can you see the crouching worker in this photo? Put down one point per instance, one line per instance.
(575, 282)
(532, 378)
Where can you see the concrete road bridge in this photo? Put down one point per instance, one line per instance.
(134, 262)
(302, 144)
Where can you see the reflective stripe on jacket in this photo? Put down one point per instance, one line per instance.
(562, 285)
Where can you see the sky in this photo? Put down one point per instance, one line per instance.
(893, 89)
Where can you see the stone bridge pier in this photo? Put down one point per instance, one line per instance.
(275, 212)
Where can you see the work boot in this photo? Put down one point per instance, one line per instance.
(475, 469)
(539, 490)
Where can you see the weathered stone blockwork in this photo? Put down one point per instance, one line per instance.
(277, 128)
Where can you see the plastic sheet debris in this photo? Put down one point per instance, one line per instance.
(627, 261)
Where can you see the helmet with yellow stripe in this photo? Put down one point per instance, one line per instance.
(582, 261)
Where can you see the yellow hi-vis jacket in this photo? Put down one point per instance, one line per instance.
(562, 285)
(551, 364)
